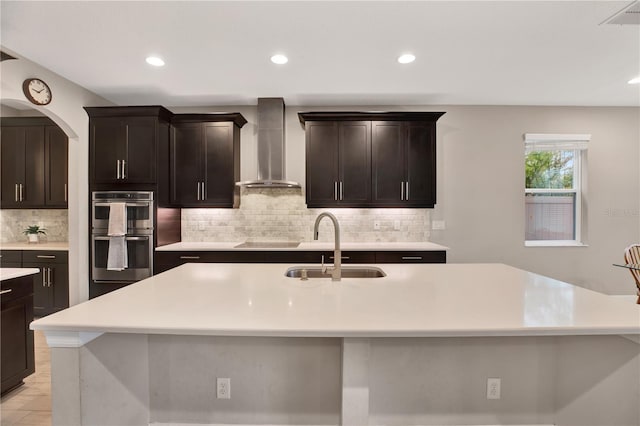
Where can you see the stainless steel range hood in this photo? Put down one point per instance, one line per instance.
(271, 147)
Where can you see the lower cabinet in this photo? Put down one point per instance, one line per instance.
(51, 284)
(16, 340)
(165, 260)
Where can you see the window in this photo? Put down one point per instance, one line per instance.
(554, 189)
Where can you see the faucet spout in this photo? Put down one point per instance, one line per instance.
(336, 272)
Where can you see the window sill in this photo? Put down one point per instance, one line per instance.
(554, 243)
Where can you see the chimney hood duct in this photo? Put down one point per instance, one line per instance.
(271, 158)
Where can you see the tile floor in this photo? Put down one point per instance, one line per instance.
(30, 404)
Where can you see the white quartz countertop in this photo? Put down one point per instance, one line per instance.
(60, 246)
(306, 246)
(10, 273)
(412, 300)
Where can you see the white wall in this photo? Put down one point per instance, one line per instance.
(66, 111)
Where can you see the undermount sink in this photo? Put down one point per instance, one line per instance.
(268, 244)
(347, 272)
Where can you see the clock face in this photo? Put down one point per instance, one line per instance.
(36, 91)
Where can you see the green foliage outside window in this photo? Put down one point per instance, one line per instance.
(549, 169)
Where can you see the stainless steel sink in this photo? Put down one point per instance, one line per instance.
(347, 272)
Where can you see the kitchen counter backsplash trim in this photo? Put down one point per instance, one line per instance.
(282, 215)
(13, 222)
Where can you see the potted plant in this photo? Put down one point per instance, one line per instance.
(32, 233)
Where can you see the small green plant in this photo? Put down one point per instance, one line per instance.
(34, 230)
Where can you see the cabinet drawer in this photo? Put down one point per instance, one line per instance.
(44, 256)
(10, 256)
(411, 257)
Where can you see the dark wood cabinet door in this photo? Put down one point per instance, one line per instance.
(322, 163)
(42, 294)
(354, 156)
(108, 141)
(33, 184)
(186, 164)
(388, 162)
(59, 282)
(421, 164)
(56, 167)
(12, 164)
(139, 154)
(218, 165)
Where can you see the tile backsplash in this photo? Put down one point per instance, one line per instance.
(282, 215)
(13, 222)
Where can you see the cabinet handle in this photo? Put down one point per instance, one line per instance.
(21, 194)
(65, 192)
(190, 257)
(341, 192)
(9, 290)
(341, 257)
(407, 190)
(198, 193)
(401, 191)
(335, 191)
(124, 170)
(204, 192)
(49, 280)
(46, 256)
(117, 169)
(16, 193)
(411, 257)
(44, 277)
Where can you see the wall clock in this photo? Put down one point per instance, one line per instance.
(37, 91)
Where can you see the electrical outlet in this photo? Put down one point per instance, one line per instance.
(438, 225)
(493, 388)
(223, 388)
(376, 224)
(396, 225)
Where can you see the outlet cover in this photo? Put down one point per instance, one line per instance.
(438, 225)
(376, 224)
(493, 388)
(223, 388)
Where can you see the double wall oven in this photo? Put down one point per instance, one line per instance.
(138, 238)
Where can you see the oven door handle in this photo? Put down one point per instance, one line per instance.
(126, 238)
(141, 204)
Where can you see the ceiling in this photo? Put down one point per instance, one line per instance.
(340, 53)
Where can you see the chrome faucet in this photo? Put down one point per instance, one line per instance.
(336, 271)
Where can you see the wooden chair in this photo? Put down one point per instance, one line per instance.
(632, 255)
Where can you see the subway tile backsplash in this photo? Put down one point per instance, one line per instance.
(13, 222)
(268, 214)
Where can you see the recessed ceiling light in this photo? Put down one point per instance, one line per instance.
(407, 58)
(635, 80)
(279, 59)
(155, 61)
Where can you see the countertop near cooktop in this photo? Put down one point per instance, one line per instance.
(306, 246)
(61, 246)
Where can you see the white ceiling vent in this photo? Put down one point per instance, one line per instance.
(629, 15)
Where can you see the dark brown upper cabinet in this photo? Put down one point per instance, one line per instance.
(34, 152)
(204, 157)
(370, 159)
(125, 144)
(338, 163)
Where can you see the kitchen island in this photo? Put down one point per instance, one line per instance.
(16, 346)
(414, 347)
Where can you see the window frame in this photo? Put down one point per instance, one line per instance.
(578, 143)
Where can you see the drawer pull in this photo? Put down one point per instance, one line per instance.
(9, 290)
(189, 257)
(341, 257)
(411, 257)
(47, 256)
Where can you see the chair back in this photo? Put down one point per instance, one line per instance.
(632, 255)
